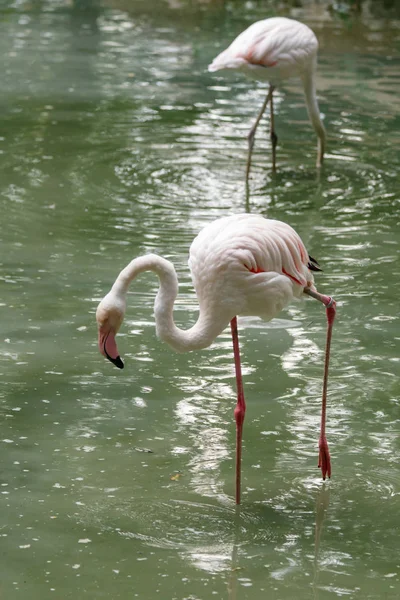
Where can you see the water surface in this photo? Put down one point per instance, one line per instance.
(116, 141)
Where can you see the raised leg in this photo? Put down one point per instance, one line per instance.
(273, 136)
(324, 461)
(240, 409)
(252, 132)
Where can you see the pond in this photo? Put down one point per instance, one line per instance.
(115, 141)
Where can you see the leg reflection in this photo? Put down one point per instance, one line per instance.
(235, 568)
(321, 508)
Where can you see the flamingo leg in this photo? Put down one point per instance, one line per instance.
(273, 136)
(320, 150)
(240, 409)
(252, 132)
(324, 460)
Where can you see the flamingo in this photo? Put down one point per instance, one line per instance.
(273, 50)
(242, 264)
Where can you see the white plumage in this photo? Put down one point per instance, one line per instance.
(270, 50)
(241, 265)
(238, 267)
(274, 50)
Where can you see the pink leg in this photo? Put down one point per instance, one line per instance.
(324, 461)
(240, 409)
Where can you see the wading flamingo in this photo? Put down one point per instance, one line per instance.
(241, 265)
(274, 50)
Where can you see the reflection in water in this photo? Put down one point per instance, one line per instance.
(232, 555)
(204, 412)
(321, 508)
(303, 347)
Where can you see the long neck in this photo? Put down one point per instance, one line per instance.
(205, 330)
(313, 111)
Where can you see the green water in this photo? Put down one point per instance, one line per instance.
(115, 141)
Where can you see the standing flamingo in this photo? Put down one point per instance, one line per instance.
(241, 265)
(273, 50)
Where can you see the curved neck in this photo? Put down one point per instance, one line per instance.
(313, 111)
(208, 325)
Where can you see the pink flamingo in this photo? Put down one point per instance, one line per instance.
(274, 50)
(241, 265)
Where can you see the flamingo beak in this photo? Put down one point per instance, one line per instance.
(108, 346)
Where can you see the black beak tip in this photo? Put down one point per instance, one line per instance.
(117, 362)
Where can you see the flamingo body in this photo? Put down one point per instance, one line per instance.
(270, 50)
(241, 265)
(274, 50)
(238, 264)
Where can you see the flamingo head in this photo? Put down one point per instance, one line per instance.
(109, 316)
